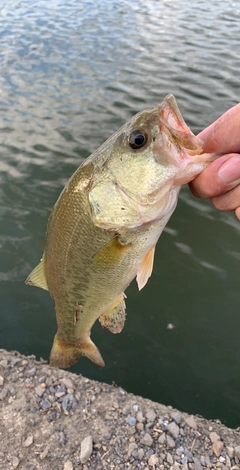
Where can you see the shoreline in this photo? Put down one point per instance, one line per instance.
(52, 419)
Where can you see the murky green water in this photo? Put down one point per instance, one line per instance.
(71, 73)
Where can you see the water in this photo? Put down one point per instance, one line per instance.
(71, 73)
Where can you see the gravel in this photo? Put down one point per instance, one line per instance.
(51, 419)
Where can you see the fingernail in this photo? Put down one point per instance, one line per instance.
(229, 172)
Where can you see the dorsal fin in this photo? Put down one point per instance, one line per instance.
(37, 276)
(145, 269)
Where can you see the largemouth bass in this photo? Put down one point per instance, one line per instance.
(106, 222)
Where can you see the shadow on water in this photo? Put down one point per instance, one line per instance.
(71, 75)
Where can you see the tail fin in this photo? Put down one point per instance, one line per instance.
(64, 355)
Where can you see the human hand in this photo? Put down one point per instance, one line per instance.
(220, 181)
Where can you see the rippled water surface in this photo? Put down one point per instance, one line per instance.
(71, 73)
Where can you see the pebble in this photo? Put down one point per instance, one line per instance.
(153, 460)
(190, 421)
(169, 458)
(175, 415)
(170, 442)
(31, 372)
(230, 452)
(214, 437)
(217, 448)
(173, 429)
(68, 465)
(237, 451)
(62, 438)
(107, 435)
(42, 379)
(86, 449)
(1, 381)
(3, 394)
(132, 446)
(131, 420)
(46, 404)
(151, 415)
(59, 394)
(197, 464)
(28, 442)
(44, 453)
(39, 391)
(140, 417)
(15, 462)
(147, 440)
(162, 438)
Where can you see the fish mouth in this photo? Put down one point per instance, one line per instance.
(172, 123)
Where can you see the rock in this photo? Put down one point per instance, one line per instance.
(230, 452)
(175, 415)
(190, 421)
(42, 379)
(31, 372)
(151, 415)
(140, 454)
(140, 417)
(214, 437)
(39, 391)
(107, 436)
(147, 440)
(68, 465)
(3, 394)
(173, 429)
(62, 438)
(15, 462)
(67, 382)
(197, 464)
(1, 381)
(153, 460)
(176, 466)
(170, 442)
(44, 453)
(217, 448)
(169, 459)
(28, 442)
(237, 452)
(131, 447)
(4, 363)
(162, 438)
(46, 404)
(86, 449)
(131, 420)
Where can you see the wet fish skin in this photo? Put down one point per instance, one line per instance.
(105, 224)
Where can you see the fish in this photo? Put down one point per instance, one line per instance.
(104, 227)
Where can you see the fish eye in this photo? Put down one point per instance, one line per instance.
(137, 139)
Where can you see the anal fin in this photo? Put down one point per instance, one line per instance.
(114, 318)
(64, 355)
(37, 277)
(145, 269)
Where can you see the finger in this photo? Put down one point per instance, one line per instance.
(229, 201)
(223, 135)
(220, 176)
(237, 212)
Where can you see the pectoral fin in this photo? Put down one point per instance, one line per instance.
(114, 318)
(37, 276)
(145, 269)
